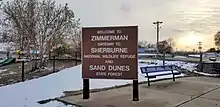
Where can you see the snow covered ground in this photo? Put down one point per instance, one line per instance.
(146, 54)
(206, 74)
(3, 70)
(27, 94)
(196, 56)
(181, 57)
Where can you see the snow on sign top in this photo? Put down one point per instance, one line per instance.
(110, 52)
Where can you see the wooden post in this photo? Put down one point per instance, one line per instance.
(200, 63)
(54, 69)
(173, 75)
(135, 90)
(86, 89)
(22, 72)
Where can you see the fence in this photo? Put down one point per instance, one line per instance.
(17, 71)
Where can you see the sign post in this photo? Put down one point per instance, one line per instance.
(110, 53)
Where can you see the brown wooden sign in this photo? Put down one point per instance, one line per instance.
(110, 52)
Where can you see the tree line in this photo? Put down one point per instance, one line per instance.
(165, 46)
(38, 25)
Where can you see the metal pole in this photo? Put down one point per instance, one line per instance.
(86, 89)
(135, 90)
(54, 58)
(22, 73)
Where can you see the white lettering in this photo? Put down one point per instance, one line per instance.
(118, 68)
(100, 73)
(110, 56)
(97, 67)
(92, 38)
(119, 31)
(109, 50)
(109, 38)
(128, 56)
(91, 56)
(105, 31)
(109, 61)
(116, 74)
(105, 44)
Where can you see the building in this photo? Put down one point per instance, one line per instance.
(150, 50)
(141, 49)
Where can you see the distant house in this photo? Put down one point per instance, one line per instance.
(141, 49)
(150, 50)
(205, 54)
(210, 54)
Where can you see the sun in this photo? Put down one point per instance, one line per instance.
(191, 38)
(188, 39)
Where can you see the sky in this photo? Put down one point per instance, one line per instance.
(187, 21)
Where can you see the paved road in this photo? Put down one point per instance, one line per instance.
(185, 92)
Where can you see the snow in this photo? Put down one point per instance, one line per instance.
(56, 104)
(180, 57)
(3, 70)
(206, 54)
(26, 94)
(146, 54)
(206, 74)
(196, 56)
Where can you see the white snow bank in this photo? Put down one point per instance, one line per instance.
(56, 104)
(182, 57)
(27, 94)
(196, 56)
(146, 54)
(184, 65)
(3, 70)
(206, 74)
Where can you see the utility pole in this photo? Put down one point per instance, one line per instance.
(157, 23)
(200, 58)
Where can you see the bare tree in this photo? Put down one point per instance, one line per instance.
(171, 42)
(217, 39)
(35, 24)
(142, 43)
(54, 22)
(1, 3)
(165, 47)
(76, 37)
(20, 20)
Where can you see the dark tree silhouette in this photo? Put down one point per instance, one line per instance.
(211, 50)
(217, 39)
(165, 47)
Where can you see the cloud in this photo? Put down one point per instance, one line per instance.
(179, 16)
